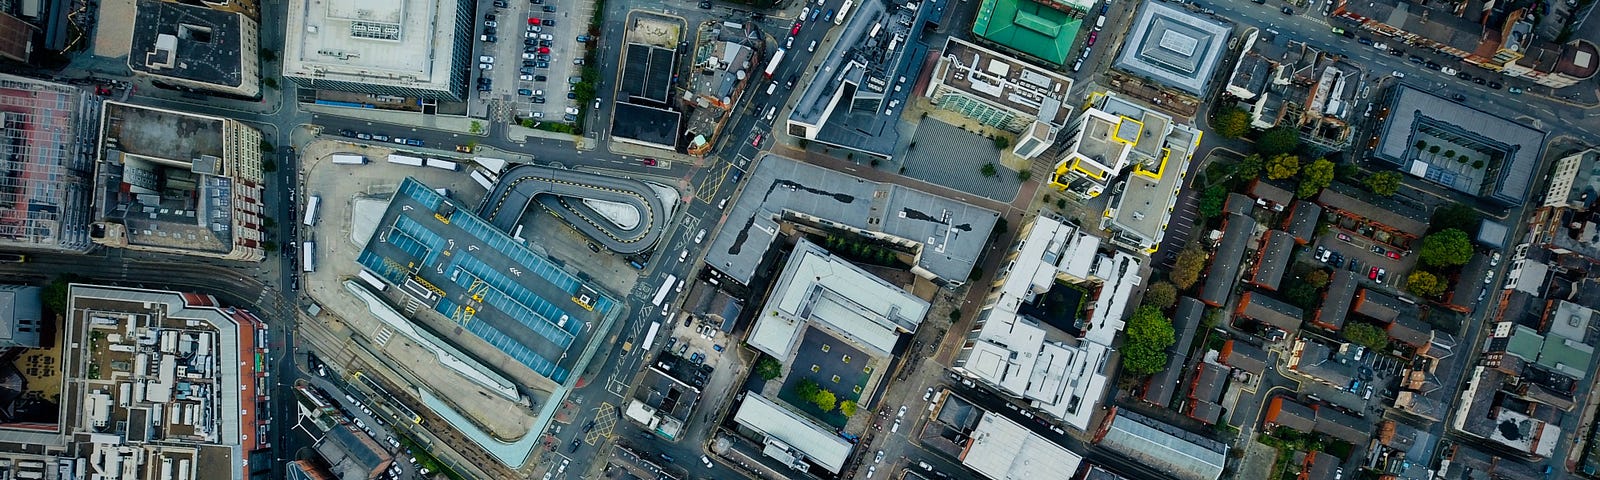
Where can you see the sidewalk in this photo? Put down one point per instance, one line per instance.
(435, 122)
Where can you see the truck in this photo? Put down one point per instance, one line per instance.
(308, 262)
(373, 280)
(666, 288)
(491, 165)
(405, 160)
(349, 159)
(772, 66)
(443, 164)
(312, 205)
(650, 338)
(483, 180)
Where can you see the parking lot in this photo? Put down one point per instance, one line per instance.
(523, 73)
(1376, 263)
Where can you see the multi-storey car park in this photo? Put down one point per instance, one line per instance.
(48, 140)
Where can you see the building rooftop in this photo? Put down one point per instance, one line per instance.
(819, 287)
(1434, 22)
(1284, 412)
(1209, 378)
(351, 453)
(1275, 256)
(1224, 270)
(1271, 311)
(418, 44)
(1001, 449)
(1302, 222)
(1336, 301)
(1003, 80)
(193, 43)
(1164, 447)
(647, 73)
(1244, 356)
(850, 101)
(1511, 150)
(651, 126)
(21, 316)
(532, 319)
(1174, 46)
(1357, 431)
(1143, 206)
(1411, 331)
(815, 442)
(49, 137)
(1316, 360)
(1378, 305)
(1037, 29)
(1185, 321)
(950, 234)
(1567, 356)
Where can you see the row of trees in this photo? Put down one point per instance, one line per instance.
(1312, 177)
(811, 391)
(1440, 254)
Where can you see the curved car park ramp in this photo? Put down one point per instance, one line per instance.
(561, 192)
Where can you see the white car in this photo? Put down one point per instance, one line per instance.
(490, 23)
(530, 56)
(1399, 74)
(525, 77)
(699, 237)
(901, 413)
(572, 110)
(538, 114)
(486, 66)
(538, 93)
(531, 35)
(486, 59)
(547, 37)
(706, 460)
(878, 458)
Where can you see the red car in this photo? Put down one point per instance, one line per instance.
(544, 50)
(1393, 254)
(649, 162)
(757, 142)
(1092, 36)
(1372, 274)
(533, 20)
(796, 29)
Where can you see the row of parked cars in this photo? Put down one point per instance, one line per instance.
(348, 133)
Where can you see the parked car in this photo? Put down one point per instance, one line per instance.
(1495, 85)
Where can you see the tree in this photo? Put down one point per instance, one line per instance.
(1456, 215)
(1233, 122)
(1384, 183)
(1212, 201)
(848, 408)
(769, 368)
(1314, 178)
(1317, 278)
(807, 388)
(1249, 167)
(1301, 295)
(268, 55)
(1434, 149)
(1001, 142)
(825, 400)
(1421, 145)
(1282, 166)
(54, 295)
(1361, 333)
(1022, 176)
(266, 146)
(1186, 270)
(476, 128)
(270, 82)
(1277, 141)
(1149, 333)
(988, 170)
(268, 165)
(1161, 294)
(1425, 284)
(1449, 154)
(1447, 248)
(269, 246)
(269, 222)
(1475, 165)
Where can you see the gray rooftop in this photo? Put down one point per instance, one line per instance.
(848, 96)
(1175, 47)
(1224, 271)
(1512, 150)
(191, 42)
(647, 73)
(651, 125)
(21, 316)
(1302, 222)
(1276, 250)
(1336, 302)
(952, 234)
(1259, 307)
(1166, 448)
(1185, 320)
(412, 44)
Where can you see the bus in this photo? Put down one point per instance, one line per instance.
(405, 160)
(443, 164)
(772, 67)
(311, 210)
(373, 280)
(308, 262)
(666, 288)
(843, 11)
(650, 338)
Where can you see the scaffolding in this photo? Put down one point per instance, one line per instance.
(47, 138)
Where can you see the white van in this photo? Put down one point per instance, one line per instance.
(772, 88)
(771, 111)
(1100, 23)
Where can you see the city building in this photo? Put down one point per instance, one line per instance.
(1488, 415)
(16, 38)
(49, 136)
(1457, 146)
(791, 437)
(1336, 300)
(1185, 323)
(643, 113)
(821, 290)
(1000, 449)
(154, 385)
(1162, 446)
(1205, 391)
(852, 102)
(181, 183)
(1042, 29)
(939, 237)
(662, 403)
(1568, 187)
(1269, 311)
(724, 64)
(352, 454)
(1114, 135)
(1174, 46)
(1498, 39)
(1002, 92)
(1377, 305)
(1023, 351)
(1272, 260)
(1237, 232)
(1302, 221)
(197, 47)
(1320, 363)
(1355, 431)
(21, 316)
(1243, 357)
(1285, 412)
(418, 49)
(1388, 222)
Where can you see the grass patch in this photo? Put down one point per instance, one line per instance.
(425, 459)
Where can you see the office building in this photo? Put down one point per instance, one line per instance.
(1002, 92)
(408, 48)
(197, 47)
(49, 132)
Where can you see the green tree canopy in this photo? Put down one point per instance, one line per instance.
(1425, 284)
(1149, 333)
(1456, 215)
(988, 170)
(1161, 294)
(1186, 270)
(1384, 183)
(1212, 200)
(54, 295)
(1447, 248)
(1249, 167)
(768, 368)
(1317, 278)
(1361, 333)
(1282, 166)
(825, 400)
(848, 408)
(807, 388)
(1233, 122)
(1278, 141)
(1314, 178)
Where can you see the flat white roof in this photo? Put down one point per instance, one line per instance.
(1003, 450)
(815, 441)
(817, 286)
(406, 43)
